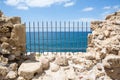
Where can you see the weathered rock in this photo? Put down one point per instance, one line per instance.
(31, 56)
(15, 20)
(3, 71)
(11, 75)
(3, 60)
(101, 37)
(96, 25)
(107, 33)
(5, 51)
(109, 16)
(90, 56)
(18, 34)
(51, 57)
(4, 39)
(45, 62)
(29, 68)
(13, 67)
(112, 60)
(4, 45)
(76, 60)
(20, 78)
(11, 57)
(61, 61)
(54, 67)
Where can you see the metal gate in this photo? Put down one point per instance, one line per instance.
(57, 36)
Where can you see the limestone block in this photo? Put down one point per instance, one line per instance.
(116, 22)
(96, 25)
(107, 33)
(3, 71)
(5, 45)
(15, 20)
(4, 39)
(20, 78)
(4, 29)
(118, 13)
(11, 75)
(18, 34)
(89, 38)
(51, 57)
(3, 60)
(11, 57)
(54, 67)
(109, 16)
(5, 51)
(13, 66)
(31, 56)
(90, 56)
(8, 35)
(29, 68)
(45, 62)
(112, 60)
(101, 37)
(61, 61)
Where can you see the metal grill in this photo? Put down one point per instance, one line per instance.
(56, 36)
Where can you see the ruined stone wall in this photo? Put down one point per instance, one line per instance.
(100, 62)
(12, 39)
(104, 43)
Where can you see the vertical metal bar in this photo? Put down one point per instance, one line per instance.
(65, 36)
(34, 36)
(30, 36)
(43, 35)
(47, 36)
(82, 39)
(51, 37)
(60, 39)
(73, 35)
(69, 35)
(56, 35)
(38, 37)
(78, 36)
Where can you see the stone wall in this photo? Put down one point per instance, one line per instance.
(12, 37)
(12, 43)
(104, 42)
(100, 62)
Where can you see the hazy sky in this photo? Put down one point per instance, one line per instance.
(34, 10)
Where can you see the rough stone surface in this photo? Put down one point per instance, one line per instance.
(107, 47)
(29, 68)
(45, 63)
(3, 71)
(61, 61)
(12, 37)
(54, 67)
(100, 62)
(13, 67)
(11, 75)
(12, 46)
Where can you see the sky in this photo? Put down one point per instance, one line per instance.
(56, 10)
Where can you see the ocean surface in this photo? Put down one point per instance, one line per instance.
(56, 41)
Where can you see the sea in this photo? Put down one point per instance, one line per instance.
(56, 41)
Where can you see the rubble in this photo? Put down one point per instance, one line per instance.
(100, 62)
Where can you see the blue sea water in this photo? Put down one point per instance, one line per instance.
(56, 41)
